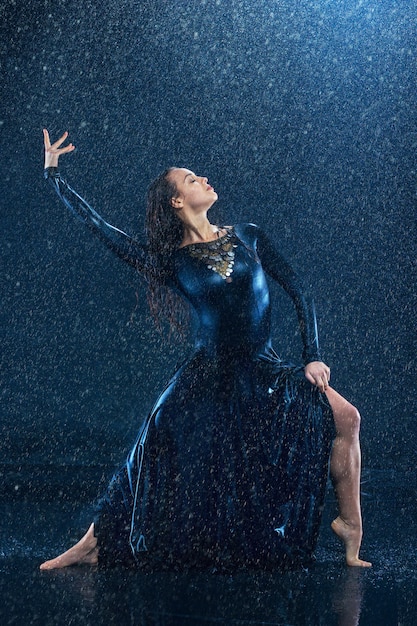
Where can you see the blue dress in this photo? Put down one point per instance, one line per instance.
(229, 469)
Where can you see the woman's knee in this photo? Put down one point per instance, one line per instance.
(348, 421)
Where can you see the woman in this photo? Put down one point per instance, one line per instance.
(230, 467)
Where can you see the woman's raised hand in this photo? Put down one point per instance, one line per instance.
(54, 151)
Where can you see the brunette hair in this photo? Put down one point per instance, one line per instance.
(164, 233)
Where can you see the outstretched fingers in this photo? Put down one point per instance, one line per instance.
(55, 147)
(54, 151)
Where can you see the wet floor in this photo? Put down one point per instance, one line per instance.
(35, 527)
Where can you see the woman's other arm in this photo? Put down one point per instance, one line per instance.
(317, 372)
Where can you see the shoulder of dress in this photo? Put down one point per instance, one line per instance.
(247, 231)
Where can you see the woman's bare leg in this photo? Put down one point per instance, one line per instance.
(345, 471)
(84, 552)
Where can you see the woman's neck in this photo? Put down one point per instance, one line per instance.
(197, 230)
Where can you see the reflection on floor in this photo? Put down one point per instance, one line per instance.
(36, 525)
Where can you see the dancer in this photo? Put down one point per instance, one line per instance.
(230, 467)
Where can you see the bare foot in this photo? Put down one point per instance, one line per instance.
(84, 552)
(352, 538)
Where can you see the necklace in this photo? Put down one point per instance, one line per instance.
(217, 255)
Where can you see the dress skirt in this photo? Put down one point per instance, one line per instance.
(228, 472)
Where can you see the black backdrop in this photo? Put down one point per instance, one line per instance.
(303, 117)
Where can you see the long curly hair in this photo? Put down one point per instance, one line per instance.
(164, 233)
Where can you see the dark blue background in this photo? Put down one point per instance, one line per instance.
(303, 116)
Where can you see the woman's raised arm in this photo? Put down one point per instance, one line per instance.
(125, 246)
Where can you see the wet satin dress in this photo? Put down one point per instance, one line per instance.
(229, 468)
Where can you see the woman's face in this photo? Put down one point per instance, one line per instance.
(193, 192)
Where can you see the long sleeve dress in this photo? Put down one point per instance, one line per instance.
(229, 468)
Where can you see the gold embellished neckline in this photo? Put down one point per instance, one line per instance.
(228, 229)
(218, 255)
